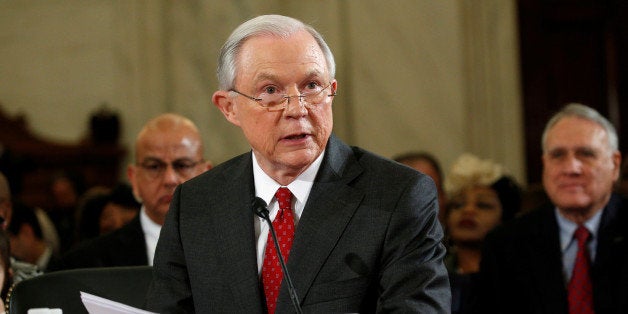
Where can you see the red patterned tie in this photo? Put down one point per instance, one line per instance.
(284, 228)
(580, 290)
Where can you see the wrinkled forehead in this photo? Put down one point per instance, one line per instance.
(575, 132)
(168, 146)
(264, 56)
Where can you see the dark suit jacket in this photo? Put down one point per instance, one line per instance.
(522, 270)
(368, 240)
(123, 247)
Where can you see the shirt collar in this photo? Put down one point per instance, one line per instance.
(568, 227)
(265, 186)
(148, 225)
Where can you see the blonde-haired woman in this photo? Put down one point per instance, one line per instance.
(481, 196)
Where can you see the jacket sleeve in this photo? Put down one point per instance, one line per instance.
(170, 291)
(413, 276)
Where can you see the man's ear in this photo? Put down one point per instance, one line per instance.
(334, 87)
(617, 164)
(224, 102)
(131, 173)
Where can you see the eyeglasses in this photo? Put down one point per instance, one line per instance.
(273, 101)
(155, 169)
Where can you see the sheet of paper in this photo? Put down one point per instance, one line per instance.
(98, 305)
(44, 311)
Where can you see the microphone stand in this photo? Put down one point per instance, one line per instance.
(260, 209)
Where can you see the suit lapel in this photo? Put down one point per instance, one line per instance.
(611, 258)
(330, 206)
(546, 262)
(234, 224)
(131, 236)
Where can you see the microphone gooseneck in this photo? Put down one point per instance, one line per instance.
(261, 209)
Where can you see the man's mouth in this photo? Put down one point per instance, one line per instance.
(296, 136)
(166, 199)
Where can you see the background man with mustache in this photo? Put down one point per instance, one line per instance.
(168, 152)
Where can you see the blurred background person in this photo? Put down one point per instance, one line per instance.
(5, 202)
(27, 238)
(6, 275)
(33, 245)
(103, 210)
(428, 164)
(168, 152)
(66, 189)
(570, 256)
(88, 213)
(119, 209)
(480, 197)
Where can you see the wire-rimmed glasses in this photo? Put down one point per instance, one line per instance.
(277, 102)
(155, 169)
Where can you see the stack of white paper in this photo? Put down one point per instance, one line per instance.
(44, 311)
(97, 305)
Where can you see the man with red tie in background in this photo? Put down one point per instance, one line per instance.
(571, 257)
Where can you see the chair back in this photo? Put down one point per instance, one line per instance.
(61, 289)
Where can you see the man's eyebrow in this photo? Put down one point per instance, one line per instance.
(272, 77)
(183, 159)
(265, 76)
(314, 73)
(152, 159)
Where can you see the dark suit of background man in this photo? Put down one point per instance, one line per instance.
(528, 265)
(168, 151)
(367, 236)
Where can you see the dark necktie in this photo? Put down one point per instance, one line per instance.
(580, 290)
(271, 268)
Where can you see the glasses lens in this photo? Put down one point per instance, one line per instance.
(184, 169)
(154, 170)
(273, 102)
(277, 102)
(314, 97)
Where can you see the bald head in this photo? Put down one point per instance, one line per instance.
(168, 152)
(168, 123)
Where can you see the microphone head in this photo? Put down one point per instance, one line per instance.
(260, 208)
(355, 263)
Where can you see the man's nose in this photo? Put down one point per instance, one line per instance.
(296, 108)
(468, 208)
(171, 175)
(572, 164)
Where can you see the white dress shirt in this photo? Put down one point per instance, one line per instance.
(569, 245)
(151, 234)
(265, 188)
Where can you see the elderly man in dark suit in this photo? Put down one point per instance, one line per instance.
(359, 232)
(168, 151)
(572, 256)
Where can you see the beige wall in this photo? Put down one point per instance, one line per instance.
(428, 75)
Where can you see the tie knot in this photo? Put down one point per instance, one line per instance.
(582, 234)
(284, 198)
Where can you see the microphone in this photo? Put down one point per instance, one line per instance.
(356, 264)
(260, 208)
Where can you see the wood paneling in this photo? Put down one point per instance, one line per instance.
(30, 162)
(571, 51)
